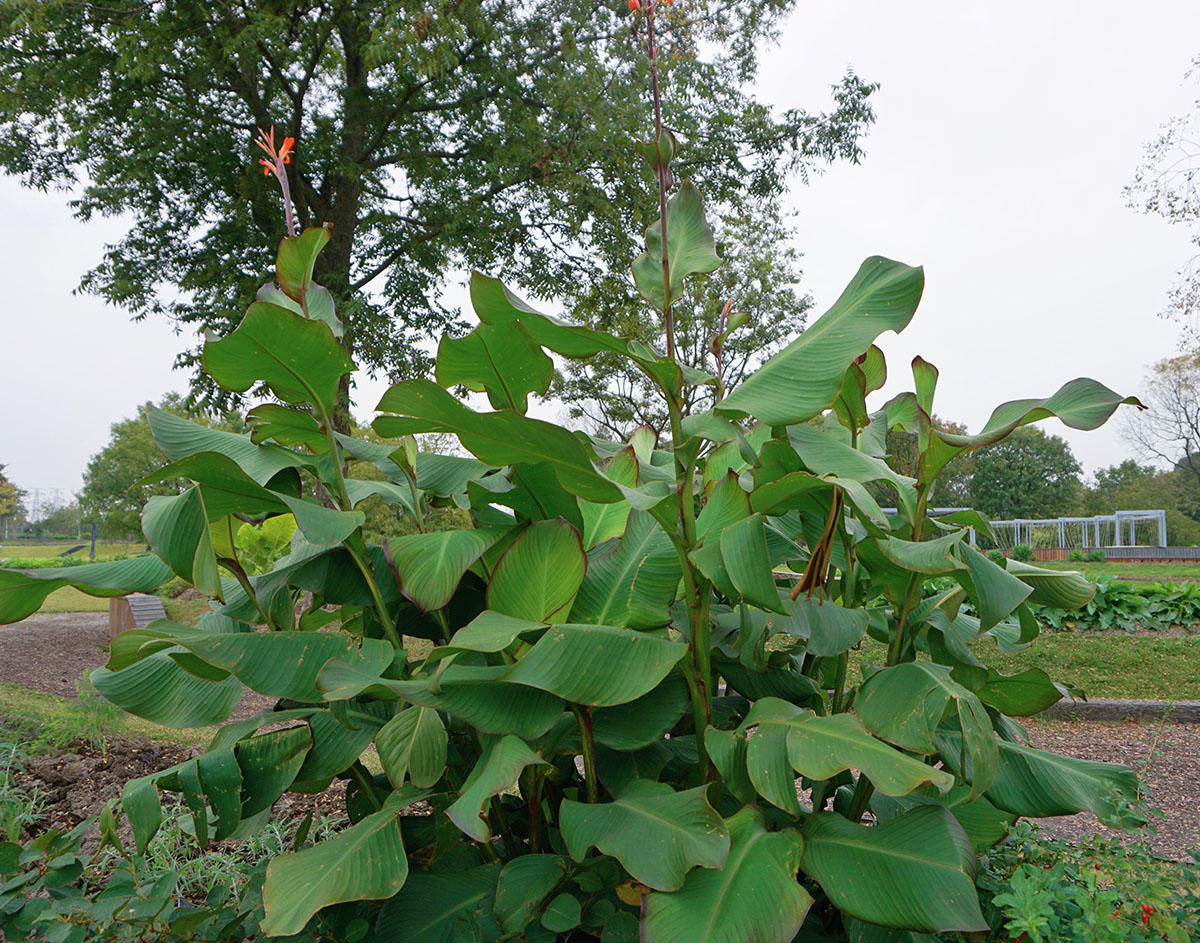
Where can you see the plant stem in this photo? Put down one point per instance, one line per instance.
(862, 795)
(531, 789)
(244, 581)
(660, 170)
(584, 716)
(510, 844)
(896, 648)
(362, 561)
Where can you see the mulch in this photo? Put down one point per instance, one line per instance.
(50, 652)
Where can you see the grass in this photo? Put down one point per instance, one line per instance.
(1123, 570)
(69, 599)
(1106, 664)
(185, 611)
(18, 548)
(55, 721)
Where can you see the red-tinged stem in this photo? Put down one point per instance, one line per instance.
(660, 170)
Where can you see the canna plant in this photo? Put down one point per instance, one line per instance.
(618, 706)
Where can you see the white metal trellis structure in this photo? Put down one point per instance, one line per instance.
(1119, 529)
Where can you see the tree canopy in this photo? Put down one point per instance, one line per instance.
(429, 135)
(1029, 475)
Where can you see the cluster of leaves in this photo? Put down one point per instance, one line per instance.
(1053, 891)
(617, 706)
(1130, 606)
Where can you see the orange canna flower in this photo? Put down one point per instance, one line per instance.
(634, 4)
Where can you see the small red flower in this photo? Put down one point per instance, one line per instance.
(1115, 914)
(1147, 913)
(635, 5)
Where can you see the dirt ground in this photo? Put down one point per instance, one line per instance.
(50, 652)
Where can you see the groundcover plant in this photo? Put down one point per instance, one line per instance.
(618, 705)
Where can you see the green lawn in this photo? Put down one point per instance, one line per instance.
(1121, 570)
(1108, 664)
(69, 599)
(45, 551)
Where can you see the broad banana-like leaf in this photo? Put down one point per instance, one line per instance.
(180, 438)
(269, 764)
(431, 902)
(632, 583)
(499, 438)
(1020, 695)
(727, 504)
(917, 872)
(428, 567)
(278, 664)
(158, 689)
(492, 632)
(829, 628)
(294, 268)
(996, 592)
(691, 249)
(1062, 589)
(804, 378)
(656, 833)
(286, 426)
(1081, 404)
(524, 885)
(496, 770)
(300, 360)
(727, 750)
(23, 591)
(469, 692)
(1038, 784)
(597, 665)
(644, 720)
(177, 528)
(338, 740)
(602, 522)
(822, 747)
(498, 359)
(539, 574)
(984, 824)
(754, 898)
(365, 861)
(905, 705)
(413, 744)
(823, 454)
(226, 489)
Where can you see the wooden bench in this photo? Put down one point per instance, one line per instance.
(133, 612)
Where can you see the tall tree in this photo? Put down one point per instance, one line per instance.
(1166, 184)
(1169, 429)
(430, 135)
(1133, 487)
(1029, 475)
(10, 500)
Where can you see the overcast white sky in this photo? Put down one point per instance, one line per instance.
(1005, 135)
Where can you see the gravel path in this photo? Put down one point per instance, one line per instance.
(1167, 757)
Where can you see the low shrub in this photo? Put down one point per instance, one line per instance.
(1076, 556)
(1040, 890)
(1022, 553)
(1096, 556)
(1129, 606)
(996, 556)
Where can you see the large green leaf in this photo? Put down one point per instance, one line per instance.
(494, 304)
(226, 489)
(644, 720)
(602, 522)
(23, 591)
(177, 528)
(496, 770)
(269, 764)
(300, 360)
(805, 377)
(822, 747)
(996, 592)
(658, 834)
(632, 583)
(598, 665)
(524, 884)
(1081, 404)
(278, 664)
(413, 744)
(158, 689)
(906, 703)
(1038, 784)
(917, 872)
(754, 898)
(428, 567)
(691, 249)
(499, 359)
(825, 455)
(829, 628)
(431, 902)
(539, 574)
(499, 438)
(365, 861)
(1062, 589)
(1021, 695)
(180, 438)
(476, 694)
